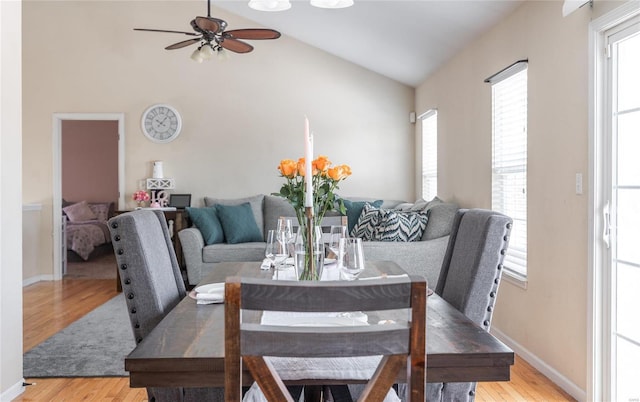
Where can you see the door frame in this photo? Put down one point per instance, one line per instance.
(57, 175)
(599, 295)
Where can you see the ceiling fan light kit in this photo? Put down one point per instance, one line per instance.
(213, 37)
(270, 5)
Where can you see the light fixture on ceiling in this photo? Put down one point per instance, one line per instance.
(270, 5)
(207, 50)
(281, 5)
(332, 3)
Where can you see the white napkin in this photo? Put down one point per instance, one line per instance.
(210, 293)
(385, 276)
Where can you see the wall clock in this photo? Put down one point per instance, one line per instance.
(161, 123)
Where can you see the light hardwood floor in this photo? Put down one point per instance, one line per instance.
(50, 306)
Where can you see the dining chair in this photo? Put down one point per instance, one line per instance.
(152, 285)
(470, 277)
(401, 344)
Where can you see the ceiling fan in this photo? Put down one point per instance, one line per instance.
(211, 34)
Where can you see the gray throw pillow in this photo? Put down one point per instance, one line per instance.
(440, 220)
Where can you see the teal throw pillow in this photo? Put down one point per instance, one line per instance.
(206, 220)
(238, 223)
(354, 209)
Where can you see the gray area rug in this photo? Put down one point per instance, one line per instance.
(93, 346)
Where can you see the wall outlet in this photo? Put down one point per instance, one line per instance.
(579, 183)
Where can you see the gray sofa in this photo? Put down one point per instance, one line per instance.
(422, 257)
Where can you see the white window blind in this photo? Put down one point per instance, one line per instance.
(509, 161)
(429, 154)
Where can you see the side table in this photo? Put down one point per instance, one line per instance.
(176, 220)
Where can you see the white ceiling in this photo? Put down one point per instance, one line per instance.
(400, 39)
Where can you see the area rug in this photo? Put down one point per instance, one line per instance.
(98, 267)
(93, 346)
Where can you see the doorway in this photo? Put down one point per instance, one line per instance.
(58, 247)
(615, 207)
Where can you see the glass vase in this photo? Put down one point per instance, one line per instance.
(309, 255)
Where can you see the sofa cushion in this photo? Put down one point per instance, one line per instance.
(400, 225)
(206, 220)
(275, 207)
(354, 210)
(238, 223)
(215, 253)
(256, 202)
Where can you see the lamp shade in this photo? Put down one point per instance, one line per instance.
(197, 56)
(270, 5)
(332, 3)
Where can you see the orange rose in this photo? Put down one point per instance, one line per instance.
(301, 167)
(288, 168)
(339, 172)
(321, 164)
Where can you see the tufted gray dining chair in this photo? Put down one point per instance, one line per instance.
(470, 277)
(152, 285)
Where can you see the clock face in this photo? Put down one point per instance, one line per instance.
(161, 123)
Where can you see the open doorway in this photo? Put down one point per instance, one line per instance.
(80, 186)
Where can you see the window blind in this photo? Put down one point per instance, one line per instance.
(429, 154)
(509, 161)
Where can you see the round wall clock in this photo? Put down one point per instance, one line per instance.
(161, 123)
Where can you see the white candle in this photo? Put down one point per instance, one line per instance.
(308, 172)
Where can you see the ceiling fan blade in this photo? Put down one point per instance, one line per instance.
(209, 24)
(253, 33)
(164, 30)
(183, 44)
(235, 45)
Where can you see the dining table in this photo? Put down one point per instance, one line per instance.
(186, 349)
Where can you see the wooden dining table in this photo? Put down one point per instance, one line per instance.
(186, 349)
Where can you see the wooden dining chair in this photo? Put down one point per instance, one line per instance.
(152, 285)
(402, 345)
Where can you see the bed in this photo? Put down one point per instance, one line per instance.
(87, 233)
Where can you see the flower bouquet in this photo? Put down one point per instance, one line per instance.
(325, 179)
(141, 197)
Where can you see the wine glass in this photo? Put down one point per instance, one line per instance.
(270, 249)
(284, 229)
(336, 233)
(278, 247)
(351, 258)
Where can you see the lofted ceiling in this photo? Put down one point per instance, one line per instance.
(405, 40)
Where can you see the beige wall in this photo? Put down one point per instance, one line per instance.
(240, 117)
(549, 317)
(10, 202)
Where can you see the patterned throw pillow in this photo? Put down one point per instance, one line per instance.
(101, 210)
(367, 223)
(400, 225)
(380, 224)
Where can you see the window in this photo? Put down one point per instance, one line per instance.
(429, 154)
(509, 159)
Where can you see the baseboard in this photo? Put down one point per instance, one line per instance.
(13, 392)
(548, 371)
(34, 279)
